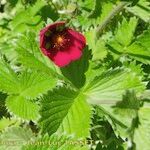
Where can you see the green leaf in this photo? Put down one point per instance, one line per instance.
(64, 110)
(35, 84)
(108, 87)
(116, 47)
(120, 113)
(6, 48)
(22, 107)
(99, 51)
(129, 105)
(105, 8)
(8, 78)
(134, 2)
(139, 53)
(5, 122)
(94, 15)
(38, 83)
(138, 50)
(142, 133)
(30, 55)
(75, 72)
(28, 85)
(146, 95)
(137, 68)
(29, 60)
(141, 10)
(102, 130)
(14, 138)
(36, 7)
(88, 4)
(144, 39)
(55, 142)
(126, 28)
(28, 18)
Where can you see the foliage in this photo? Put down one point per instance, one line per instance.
(64, 110)
(99, 102)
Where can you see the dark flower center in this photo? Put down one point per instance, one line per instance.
(56, 40)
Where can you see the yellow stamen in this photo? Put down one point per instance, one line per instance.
(60, 40)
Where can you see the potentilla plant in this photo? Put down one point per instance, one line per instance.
(74, 74)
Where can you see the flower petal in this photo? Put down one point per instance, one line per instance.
(78, 38)
(74, 53)
(62, 58)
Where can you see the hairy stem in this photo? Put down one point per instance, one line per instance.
(115, 11)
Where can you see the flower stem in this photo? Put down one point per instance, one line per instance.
(115, 11)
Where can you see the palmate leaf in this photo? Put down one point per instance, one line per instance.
(108, 87)
(26, 82)
(22, 88)
(35, 84)
(122, 45)
(55, 142)
(22, 107)
(142, 133)
(30, 86)
(64, 110)
(14, 138)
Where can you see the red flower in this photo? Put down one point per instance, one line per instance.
(61, 44)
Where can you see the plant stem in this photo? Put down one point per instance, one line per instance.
(115, 11)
